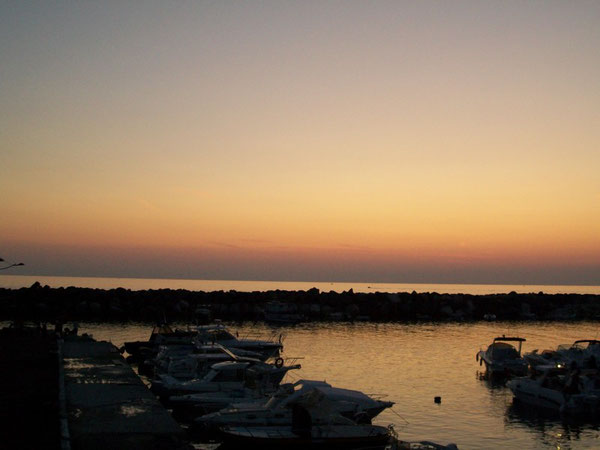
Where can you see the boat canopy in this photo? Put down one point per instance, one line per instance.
(582, 344)
(509, 339)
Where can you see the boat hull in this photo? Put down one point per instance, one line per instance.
(527, 391)
(325, 437)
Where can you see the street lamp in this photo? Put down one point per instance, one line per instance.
(10, 265)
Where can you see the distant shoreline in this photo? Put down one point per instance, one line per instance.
(14, 281)
(44, 303)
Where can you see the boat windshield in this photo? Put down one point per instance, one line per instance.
(502, 350)
(210, 375)
(214, 335)
(583, 345)
(223, 335)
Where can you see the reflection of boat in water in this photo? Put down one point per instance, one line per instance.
(558, 389)
(502, 358)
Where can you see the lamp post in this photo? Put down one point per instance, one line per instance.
(10, 265)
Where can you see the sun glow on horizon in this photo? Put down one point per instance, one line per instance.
(386, 140)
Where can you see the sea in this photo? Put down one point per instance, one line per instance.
(408, 363)
(19, 281)
(411, 364)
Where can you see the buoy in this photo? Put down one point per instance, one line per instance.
(437, 399)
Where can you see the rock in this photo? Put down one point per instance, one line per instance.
(182, 306)
(116, 311)
(447, 311)
(352, 311)
(393, 298)
(81, 308)
(336, 316)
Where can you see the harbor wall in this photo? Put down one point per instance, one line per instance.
(43, 303)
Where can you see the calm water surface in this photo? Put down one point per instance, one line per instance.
(411, 364)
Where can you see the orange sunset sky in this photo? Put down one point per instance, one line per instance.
(395, 141)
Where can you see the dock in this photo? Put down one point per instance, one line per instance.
(106, 404)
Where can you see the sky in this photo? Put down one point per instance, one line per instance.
(397, 141)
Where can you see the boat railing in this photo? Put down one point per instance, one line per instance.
(378, 396)
(255, 336)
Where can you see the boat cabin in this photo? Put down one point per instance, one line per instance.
(502, 347)
(214, 333)
(227, 371)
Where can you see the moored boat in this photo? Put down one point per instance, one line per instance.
(559, 389)
(218, 333)
(583, 352)
(162, 334)
(349, 436)
(224, 376)
(501, 358)
(277, 410)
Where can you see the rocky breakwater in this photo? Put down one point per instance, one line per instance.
(45, 304)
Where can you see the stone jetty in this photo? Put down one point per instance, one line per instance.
(42, 303)
(106, 403)
(76, 394)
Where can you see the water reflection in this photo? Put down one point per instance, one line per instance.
(547, 428)
(492, 382)
(550, 428)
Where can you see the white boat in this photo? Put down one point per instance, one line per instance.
(218, 333)
(190, 406)
(558, 389)
(332, 432)
(161, 334)
(226, 376)
(204, 334)
(317, 437)
(277, 410)
(584, 353)
(188, 362)
(502, 358)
